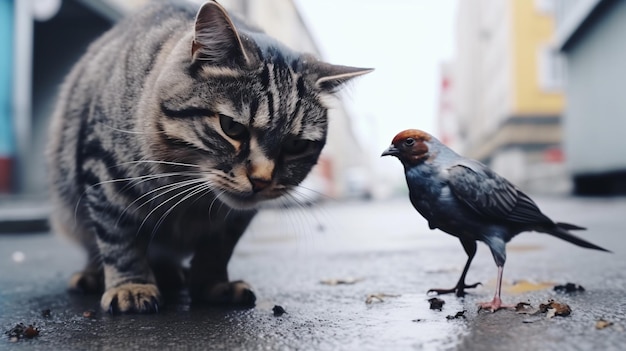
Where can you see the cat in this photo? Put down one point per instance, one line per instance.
(168, 133)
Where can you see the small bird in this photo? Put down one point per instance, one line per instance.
(466, 199)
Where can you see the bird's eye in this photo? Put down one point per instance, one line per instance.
(409, 142)
(294, 146)
(233, 129)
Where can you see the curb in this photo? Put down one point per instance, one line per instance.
(24, 216)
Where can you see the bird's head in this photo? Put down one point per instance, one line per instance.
(411, 146)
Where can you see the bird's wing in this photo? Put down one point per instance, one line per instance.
(492, 196)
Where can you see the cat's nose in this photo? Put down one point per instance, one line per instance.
(259, 184)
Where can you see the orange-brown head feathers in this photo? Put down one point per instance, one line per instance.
(409, 146)
(411, 133)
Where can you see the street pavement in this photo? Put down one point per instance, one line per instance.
(302, 258)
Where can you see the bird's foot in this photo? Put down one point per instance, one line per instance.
(458, 290)
(493, 305)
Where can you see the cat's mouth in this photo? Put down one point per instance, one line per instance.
(248, 200)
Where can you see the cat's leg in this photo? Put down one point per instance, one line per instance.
(130, 285)
(208, 276)
(169, 273)
(91, 279)
(66, 222)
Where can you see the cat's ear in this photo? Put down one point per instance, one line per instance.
(331, 77)
(215, 39)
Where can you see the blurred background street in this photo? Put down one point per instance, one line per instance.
(532, 88)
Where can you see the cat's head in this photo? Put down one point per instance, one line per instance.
(246, 111)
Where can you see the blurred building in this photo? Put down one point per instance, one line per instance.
(48, 36)
(6, 80)
(591, 35)
(447, 121)
(507, 92)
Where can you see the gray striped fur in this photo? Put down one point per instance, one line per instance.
(167, 134)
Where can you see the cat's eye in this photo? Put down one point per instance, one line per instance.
(294, 146)
(233, 129)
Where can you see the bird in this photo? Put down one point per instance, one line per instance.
(466, 199)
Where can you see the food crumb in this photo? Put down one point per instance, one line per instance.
(21, 331)
(30, 332)
(554, 308)
(278, 311)
(346, 281)
(601, 324)
(436, 303)
(525, 308)
(89, 314)
(380, 297)
(460, 314)
(569, 288)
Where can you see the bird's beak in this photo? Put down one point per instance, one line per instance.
(391, 151)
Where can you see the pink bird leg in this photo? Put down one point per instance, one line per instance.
(496, 303)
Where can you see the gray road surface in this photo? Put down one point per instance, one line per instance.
(386, 246)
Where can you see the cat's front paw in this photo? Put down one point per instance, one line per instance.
(131, 298)
(237, 293)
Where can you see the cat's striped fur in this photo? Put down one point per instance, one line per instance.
(167, 134)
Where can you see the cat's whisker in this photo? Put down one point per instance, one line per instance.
(223, 203)
(165, 201)
(167, 188)
(197, 189)
(217, 195)
(171, 186)
(94, 258)
(308, 201)
(306, 198)
(311, 194)
(144, 177)
(162, 175)
(297, 216)
(137, 179)
(321, 213)
(311, 190)
(170, 163)
(82, 195)
(98, 184)
(127, 179)
(130, 131)
(159, 192)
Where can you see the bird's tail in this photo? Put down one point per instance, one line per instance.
(561, 231)
(568, 226)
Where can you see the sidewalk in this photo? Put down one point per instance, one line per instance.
(381, 248)
(23, 215)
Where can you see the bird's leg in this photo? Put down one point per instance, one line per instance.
(496, 303)
(459, 289)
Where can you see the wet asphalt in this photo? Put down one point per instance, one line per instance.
(294, 257)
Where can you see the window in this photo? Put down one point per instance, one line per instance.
(551, 68)
(546, 7)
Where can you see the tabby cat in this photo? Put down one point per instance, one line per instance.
(167, 134)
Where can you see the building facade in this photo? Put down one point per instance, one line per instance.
(447, 121)
(508, 90)
(591, 35)
(7, 145)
